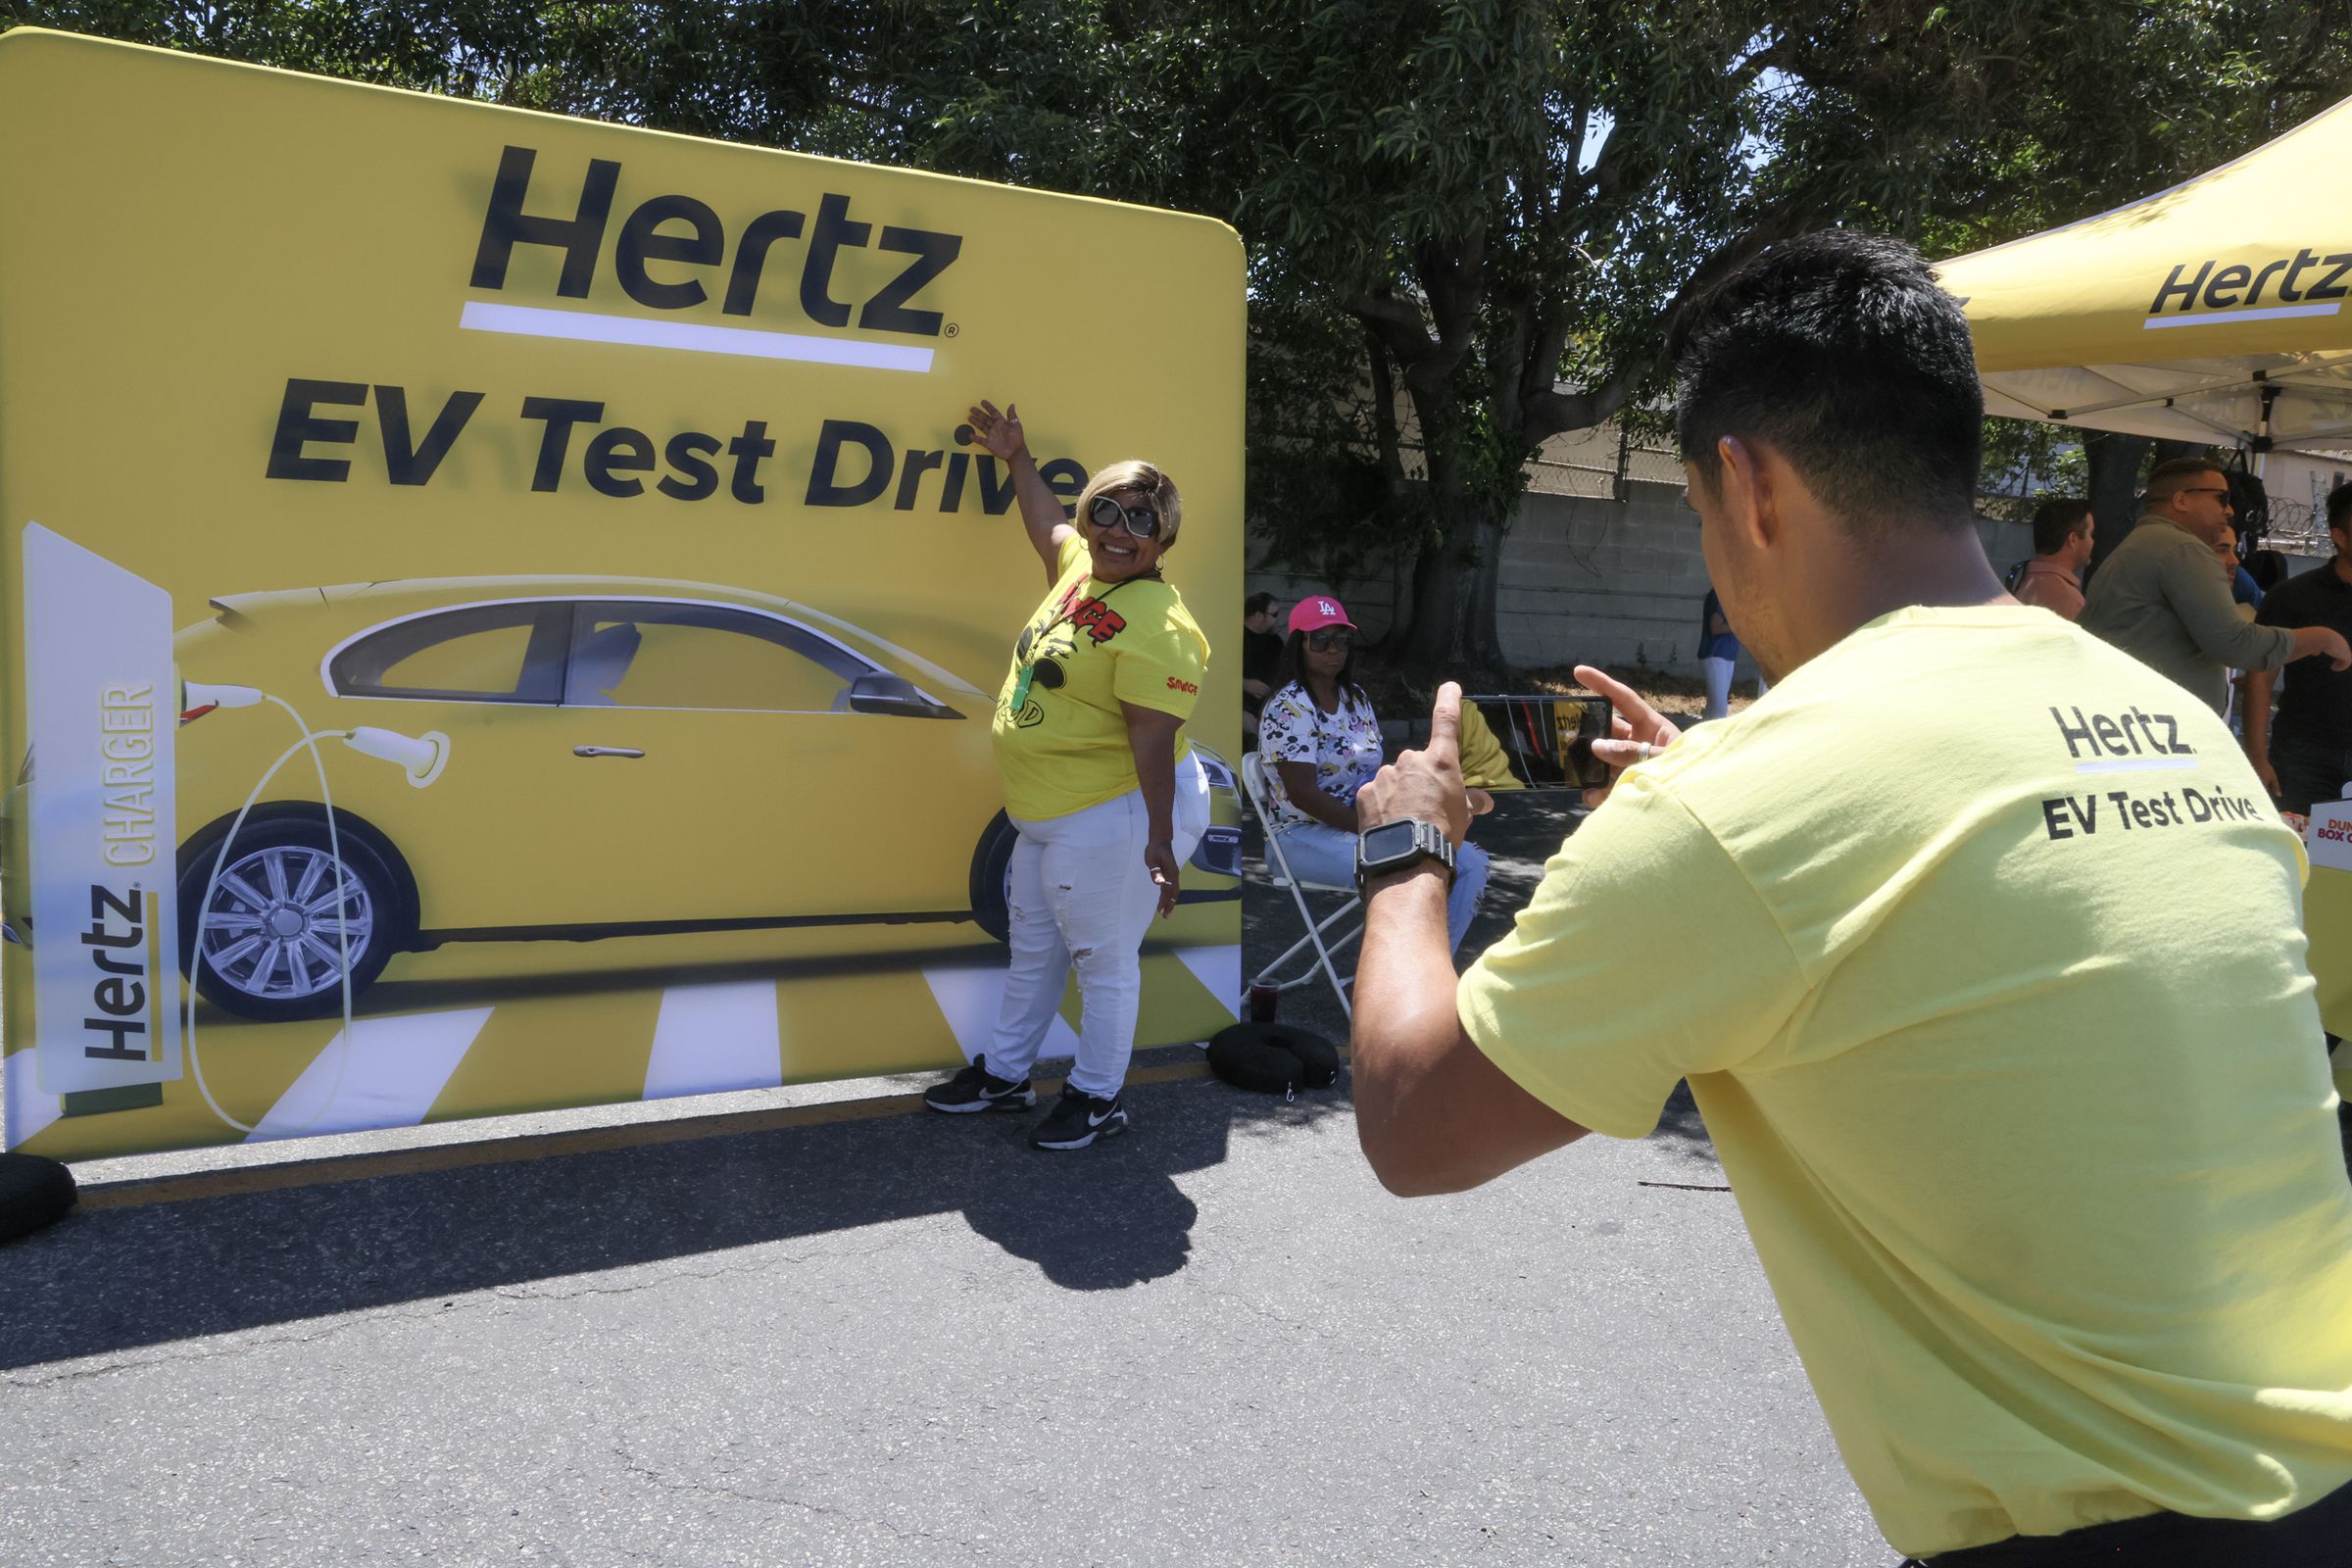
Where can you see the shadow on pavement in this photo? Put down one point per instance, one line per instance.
(1103, 1218)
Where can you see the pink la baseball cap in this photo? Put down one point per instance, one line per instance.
(1312, 614)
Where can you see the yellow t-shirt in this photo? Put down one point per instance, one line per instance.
(1065, 748)
(1981, 951)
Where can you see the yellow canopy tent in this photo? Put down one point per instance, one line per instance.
(2218, 311)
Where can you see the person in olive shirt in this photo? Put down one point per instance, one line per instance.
(2163, 596)
(2305, 753)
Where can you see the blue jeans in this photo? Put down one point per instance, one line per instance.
(1719, 686)
(1322, 854)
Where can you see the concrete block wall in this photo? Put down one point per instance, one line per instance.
(1369, 598)
(1594, 581)
(1589, 580)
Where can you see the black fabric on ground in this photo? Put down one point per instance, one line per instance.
(1273, 1059)
(33, 1192)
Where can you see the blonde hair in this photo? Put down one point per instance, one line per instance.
(1138, 475)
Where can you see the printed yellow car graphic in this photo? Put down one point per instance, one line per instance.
(604, 758)
(500, 611)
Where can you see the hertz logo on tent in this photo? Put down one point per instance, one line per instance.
(671, 254)
(2239, 292)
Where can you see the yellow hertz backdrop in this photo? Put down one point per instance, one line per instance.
(536, 572)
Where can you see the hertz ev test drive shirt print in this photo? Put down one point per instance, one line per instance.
(1818, 912)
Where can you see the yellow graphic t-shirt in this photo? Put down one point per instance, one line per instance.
(1092, 646)
(1982, 950)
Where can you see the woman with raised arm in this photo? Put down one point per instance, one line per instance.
(1099, 780)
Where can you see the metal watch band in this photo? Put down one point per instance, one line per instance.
(1429, 843)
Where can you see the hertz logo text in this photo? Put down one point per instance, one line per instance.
(699, 242)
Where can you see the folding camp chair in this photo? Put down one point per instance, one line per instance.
(1254, 785)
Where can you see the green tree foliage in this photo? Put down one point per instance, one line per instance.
(474, 51)
(1472, 225)
(2143, 96)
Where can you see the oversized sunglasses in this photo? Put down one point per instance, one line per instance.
(1141, 522)
(1323, 642)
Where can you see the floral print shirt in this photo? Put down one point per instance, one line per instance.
(1345, 747)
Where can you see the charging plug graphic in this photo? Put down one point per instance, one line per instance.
(421, 757)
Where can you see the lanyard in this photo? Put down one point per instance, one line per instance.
(1033, 646)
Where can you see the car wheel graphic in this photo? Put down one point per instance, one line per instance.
(992, 873)
(267, 941)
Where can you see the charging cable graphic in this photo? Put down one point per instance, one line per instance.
(421, 758)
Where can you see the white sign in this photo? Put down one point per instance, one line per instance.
(103, 705)
(2327, 839)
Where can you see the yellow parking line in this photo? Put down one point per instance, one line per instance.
(543, 1146)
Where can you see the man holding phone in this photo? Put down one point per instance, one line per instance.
(2036, 1153)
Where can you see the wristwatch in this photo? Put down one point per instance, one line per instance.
(1398, 846)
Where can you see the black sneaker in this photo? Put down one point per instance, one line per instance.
(977, 1089)
(1078, 1119)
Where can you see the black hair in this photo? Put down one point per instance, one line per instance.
(1292, 667)
(2172, 474)
(2339, 506)
(2056, 520)
(1840, 352)
(1258, 604)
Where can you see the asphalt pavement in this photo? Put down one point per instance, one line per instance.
(817, 1327)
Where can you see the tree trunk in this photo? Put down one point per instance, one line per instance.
(1440, 577)
(2115, 462)
(1452, 626)
(1480, 646)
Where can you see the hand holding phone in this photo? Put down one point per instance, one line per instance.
(1637, 732)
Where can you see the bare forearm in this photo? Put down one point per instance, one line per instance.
(1299, 784)
(1404, 1020)
(1153, 747)
(1328, 809)
(1434, 1113)
(1041, 508)
(2258, 685)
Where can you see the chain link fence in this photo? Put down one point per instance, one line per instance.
(1599, 463)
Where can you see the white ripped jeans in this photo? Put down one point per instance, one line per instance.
(1082, 898)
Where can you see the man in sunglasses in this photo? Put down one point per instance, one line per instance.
(2164, 597)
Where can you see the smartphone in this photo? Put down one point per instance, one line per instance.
(1548, 740)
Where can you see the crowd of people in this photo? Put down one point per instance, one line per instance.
(2227, 634)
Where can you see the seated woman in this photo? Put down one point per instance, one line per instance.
(1321, 743)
